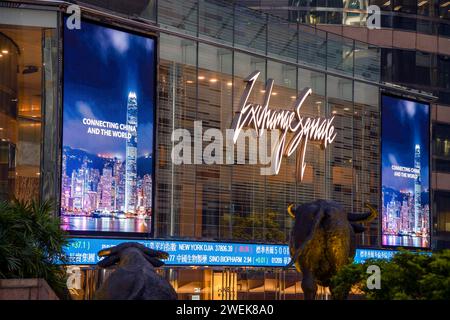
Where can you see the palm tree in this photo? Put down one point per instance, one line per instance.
(31, 241)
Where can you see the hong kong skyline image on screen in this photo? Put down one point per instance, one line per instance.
(405, 173)
(108, 119)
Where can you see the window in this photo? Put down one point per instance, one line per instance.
(144, 8)
(441, 147)
(442, 203)
(175, 211)
(215, 112)
(26, 76)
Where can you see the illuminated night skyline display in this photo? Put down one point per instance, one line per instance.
(405, 173)
(108, 117)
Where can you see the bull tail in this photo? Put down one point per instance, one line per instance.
(317, 220)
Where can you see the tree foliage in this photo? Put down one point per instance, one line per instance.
(407, 276)
(31, 240)
(254, 227)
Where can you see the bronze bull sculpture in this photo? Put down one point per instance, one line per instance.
(322, 241)
(135, 277)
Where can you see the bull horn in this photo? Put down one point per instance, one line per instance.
(373, 211)
(363, 217)
(104, 252)
(289, 210)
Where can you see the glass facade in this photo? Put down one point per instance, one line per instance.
(27, 52)
(441, 204)
(441, 147)
(424, 71)
(427, 17)
(200, 82)
(442, 199)
(203, 82)
(424, 16)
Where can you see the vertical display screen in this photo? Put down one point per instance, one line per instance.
(108, 130)
(405, 177)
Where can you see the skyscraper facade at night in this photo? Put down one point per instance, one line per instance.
(417, 192)
(131, 154)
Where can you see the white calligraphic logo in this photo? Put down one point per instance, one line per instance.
(261, 118)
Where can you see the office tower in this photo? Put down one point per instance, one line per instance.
(417, 191)
(131, 154)
(119, 184)
(147, 191)
(106, 183)
(90, 201)
(77, 189)
(65, 184)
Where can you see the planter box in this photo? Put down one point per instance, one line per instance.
(26, 289)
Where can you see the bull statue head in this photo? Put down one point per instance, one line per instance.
(322, 240)
(134, 277)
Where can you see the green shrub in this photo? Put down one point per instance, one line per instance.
(31, 240)
(407, 276)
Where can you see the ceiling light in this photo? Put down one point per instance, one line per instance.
(445, 4)
(5, 51)
(387, 3)
(213, 80)
(274, 93)
(293, 97)
(1, 55)
(229, 84)
(422, 3)
(201, 77)
(346, 109)
(397, 8)
(189, 81)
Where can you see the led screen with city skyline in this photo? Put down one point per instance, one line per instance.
(108, 136)
(405, 173)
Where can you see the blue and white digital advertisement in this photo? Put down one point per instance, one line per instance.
(108, 135)
(405, 172)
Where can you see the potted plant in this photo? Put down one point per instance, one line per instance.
(31, 241)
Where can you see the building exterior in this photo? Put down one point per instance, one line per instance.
(205, 51)
(414, 43)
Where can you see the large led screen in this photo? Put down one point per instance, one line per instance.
(405, 174)
(108, 118)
